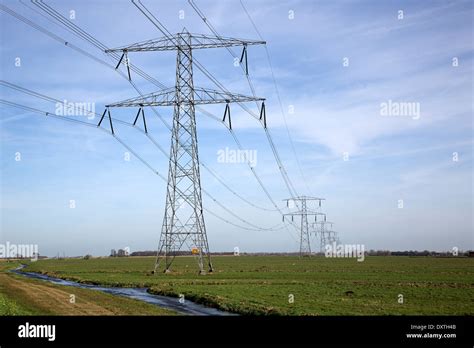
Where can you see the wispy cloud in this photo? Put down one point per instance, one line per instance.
(336, 108)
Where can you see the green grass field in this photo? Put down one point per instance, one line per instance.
(319, 286)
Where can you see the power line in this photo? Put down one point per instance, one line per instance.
(75, 30)
(201, 67)
(180, 224)
(280, 165)
(229, 49)
(156, 144)
(277, 90)
(282, 170)
(89, 38)
(183, 44)
(260, 182)
(51, 35)
(147, 164)
(42, 96)
(68, 44)
(95, 42)
(304, 236)
(46, 113)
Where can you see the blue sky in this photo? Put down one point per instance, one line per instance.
(336, 110)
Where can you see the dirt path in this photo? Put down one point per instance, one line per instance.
(49, 298)
(45, 298)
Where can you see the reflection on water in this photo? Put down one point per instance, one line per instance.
(141, 294)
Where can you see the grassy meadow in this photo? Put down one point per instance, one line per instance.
(284, 285)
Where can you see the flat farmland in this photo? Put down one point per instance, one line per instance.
(283, 285)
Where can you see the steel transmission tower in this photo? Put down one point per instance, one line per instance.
(326, 234)
(304, 213)
(183, 220)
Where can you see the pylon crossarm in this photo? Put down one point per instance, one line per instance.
(196, 41)
(307, 213)
(307, 198)
(167, 97)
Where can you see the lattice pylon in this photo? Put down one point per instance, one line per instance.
(304, 213)
(183, 219)
(305, 246)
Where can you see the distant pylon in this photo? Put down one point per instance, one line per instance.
(183, 220)
(301, 203)
(326, 234)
